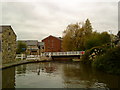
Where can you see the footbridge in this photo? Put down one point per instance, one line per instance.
(64, 55)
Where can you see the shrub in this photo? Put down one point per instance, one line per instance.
(88, 53)
(109, 61)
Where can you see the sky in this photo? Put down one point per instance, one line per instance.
(37, 19)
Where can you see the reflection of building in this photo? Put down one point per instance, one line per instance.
(8, 78)
(21, 69)
(32, 46)
(52, 44)
(8, 43)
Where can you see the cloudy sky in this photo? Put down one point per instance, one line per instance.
(36, 19)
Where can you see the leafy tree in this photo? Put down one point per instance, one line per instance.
(21, 47)
(97, 39)
(118, 34)
(75, 36)
(87, 28)
(105, 38)
(69, 40)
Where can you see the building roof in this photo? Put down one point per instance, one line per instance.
(41, 43)
(29, 42)
(6, 27)
(59, 38)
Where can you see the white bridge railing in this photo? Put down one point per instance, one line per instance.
(70, 53)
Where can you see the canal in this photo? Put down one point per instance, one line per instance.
(57, 75)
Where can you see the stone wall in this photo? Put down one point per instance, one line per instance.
(8, 45)
(0, 41)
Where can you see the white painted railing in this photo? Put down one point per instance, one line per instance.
(20, 56)
(28, 57)
(63, 53)
(70, 53)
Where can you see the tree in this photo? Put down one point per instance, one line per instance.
(92, 41)
(97, 39)
(69, 39)
(105, 38)
(118, 34)
(75, 36)
(21, 47)
(87, 28)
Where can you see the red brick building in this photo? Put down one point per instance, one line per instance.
(52, 44)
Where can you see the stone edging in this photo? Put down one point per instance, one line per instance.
(4, 66)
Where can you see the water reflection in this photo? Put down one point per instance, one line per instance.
(21, 69)
(88, 77)
(8, 78)
(57, 75)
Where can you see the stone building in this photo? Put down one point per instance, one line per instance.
(52, 44)
(8, 44)
(0, 48)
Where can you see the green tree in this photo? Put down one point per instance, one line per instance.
(87, 28)
(69, 39)
(118, 34)
(105, 37)
(97, 39)
(21, 47)
(75, 36)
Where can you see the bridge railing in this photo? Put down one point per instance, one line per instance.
(63, 53)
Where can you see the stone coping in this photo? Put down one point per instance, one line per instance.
(16, 63)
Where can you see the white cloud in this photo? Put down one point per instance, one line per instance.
(36, 20)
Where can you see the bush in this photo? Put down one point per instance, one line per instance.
(88, 53)
(109, 61)
(85, 57)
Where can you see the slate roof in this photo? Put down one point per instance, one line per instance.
(41, 43)
(30, 42)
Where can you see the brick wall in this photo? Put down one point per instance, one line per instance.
(52, 44)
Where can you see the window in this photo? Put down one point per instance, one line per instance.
(9, 33)
(9, 49)
(42, 47)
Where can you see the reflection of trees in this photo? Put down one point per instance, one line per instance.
(8, 78)
(112, 81)
(79, 73)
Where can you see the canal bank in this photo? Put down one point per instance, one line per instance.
(16, 63)
(20, 62)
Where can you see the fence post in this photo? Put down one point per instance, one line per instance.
(21, 56)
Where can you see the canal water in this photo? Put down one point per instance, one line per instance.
(57, 75)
